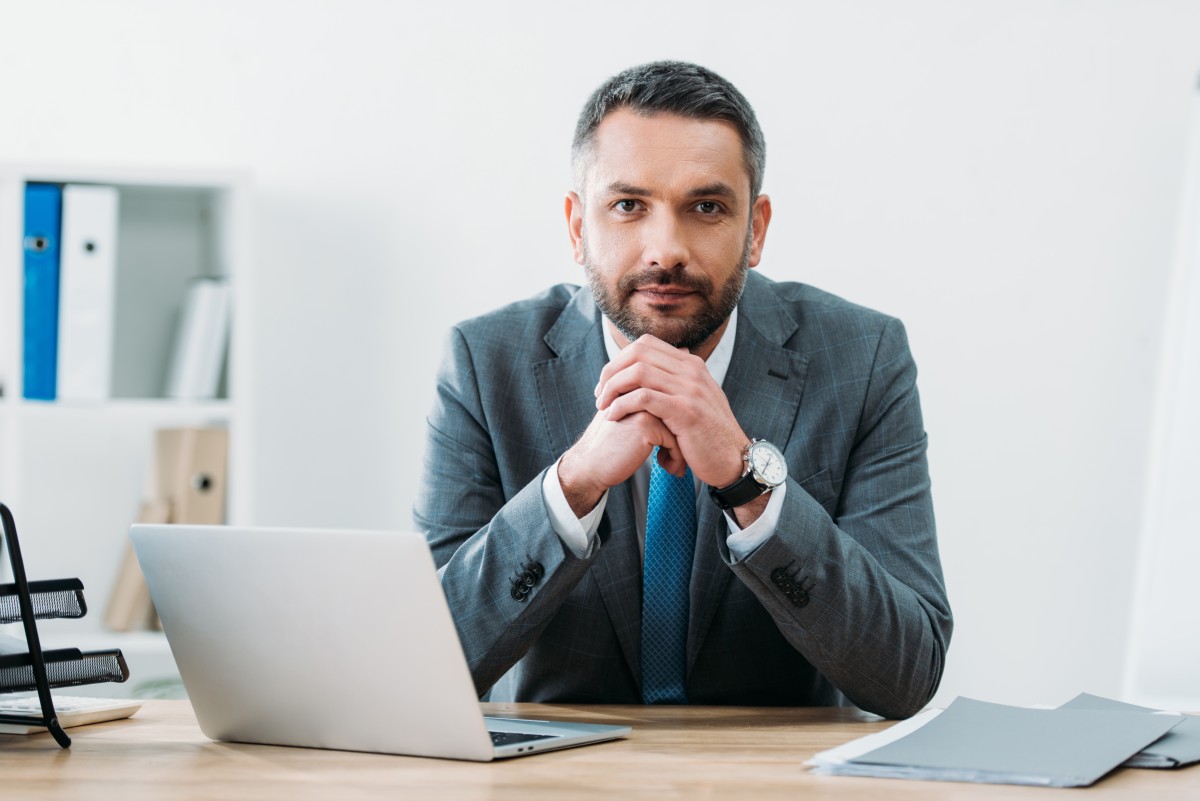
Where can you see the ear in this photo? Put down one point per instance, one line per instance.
(574, 211)
(760, 217)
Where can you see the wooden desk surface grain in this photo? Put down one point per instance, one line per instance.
(674, 752)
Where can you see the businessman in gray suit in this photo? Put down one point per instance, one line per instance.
(684, 482)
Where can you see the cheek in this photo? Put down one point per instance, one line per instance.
(717, 247)
(611, 246)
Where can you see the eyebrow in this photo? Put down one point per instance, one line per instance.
(622, 188)
(717, 189)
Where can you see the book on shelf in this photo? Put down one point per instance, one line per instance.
(191, 466)
(70, 244)
(42, 230)
(201, 340)
(87, 292)
(187, 485)
(129, 606)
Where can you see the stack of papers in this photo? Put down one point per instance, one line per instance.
(977, 741)
(1178, 747)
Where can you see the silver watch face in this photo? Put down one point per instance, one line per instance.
(767, 464)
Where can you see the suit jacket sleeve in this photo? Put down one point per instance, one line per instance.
(860, 592)
(482, 553)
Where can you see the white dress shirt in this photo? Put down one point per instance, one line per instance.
(579, 533)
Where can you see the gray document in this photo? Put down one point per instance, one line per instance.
(1180, 746)
(977, 741)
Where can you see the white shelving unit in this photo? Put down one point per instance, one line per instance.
(74, 474)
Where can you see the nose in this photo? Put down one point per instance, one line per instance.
(664, 244)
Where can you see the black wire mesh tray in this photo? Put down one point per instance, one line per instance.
(57, 598)
(65, 667)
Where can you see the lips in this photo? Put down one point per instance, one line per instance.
(661, 293)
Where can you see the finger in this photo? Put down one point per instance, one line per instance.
(677, 372)
(646, 348)
(642, 399)
(656, 432)
(679, 411)
(672, 461)
(636, 376)
(670, 455)
(652, 432)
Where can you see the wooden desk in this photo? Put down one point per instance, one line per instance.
(684, 752)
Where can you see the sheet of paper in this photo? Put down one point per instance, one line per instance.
(1178, 747)
(856, 748)
(976, 741)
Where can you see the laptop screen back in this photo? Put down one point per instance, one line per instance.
(318, 638)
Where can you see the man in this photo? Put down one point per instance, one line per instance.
(606, 529)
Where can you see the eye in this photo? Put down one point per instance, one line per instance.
(627, 206)
(709, 207)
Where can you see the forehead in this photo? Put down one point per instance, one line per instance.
(665, 152)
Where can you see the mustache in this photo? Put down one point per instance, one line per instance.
(659, 276)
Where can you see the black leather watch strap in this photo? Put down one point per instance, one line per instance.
(742, 491)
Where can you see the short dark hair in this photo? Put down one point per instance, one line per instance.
(674, 87)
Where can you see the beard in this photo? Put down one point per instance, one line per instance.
(680, 331)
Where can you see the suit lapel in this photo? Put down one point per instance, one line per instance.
(565, 386)
(763, 385)
(565, 382)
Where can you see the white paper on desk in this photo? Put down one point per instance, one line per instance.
(975, 741)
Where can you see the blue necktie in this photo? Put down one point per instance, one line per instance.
(670, 538)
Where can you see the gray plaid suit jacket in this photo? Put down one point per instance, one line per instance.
(846, 597)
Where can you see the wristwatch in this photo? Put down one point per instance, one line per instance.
(766, 469)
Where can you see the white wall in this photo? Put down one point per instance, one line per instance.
(1163, 650)
(1004, 176)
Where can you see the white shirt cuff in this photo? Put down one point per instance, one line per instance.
(742, 541)
(577, 533)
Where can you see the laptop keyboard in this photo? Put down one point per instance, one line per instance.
(510, 737)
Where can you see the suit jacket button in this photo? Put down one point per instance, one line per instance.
(780, 577)
(518, 592)
(800, 598)
(528, 579)
(537, 570)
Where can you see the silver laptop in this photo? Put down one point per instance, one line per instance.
(326, 639)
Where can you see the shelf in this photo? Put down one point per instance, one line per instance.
(152, 670)
(77, 473)
(171, 229)
(151, 409)
(65, 667)
(51, 600)
(125, 176)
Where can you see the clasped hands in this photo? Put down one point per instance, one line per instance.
(653, 394)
